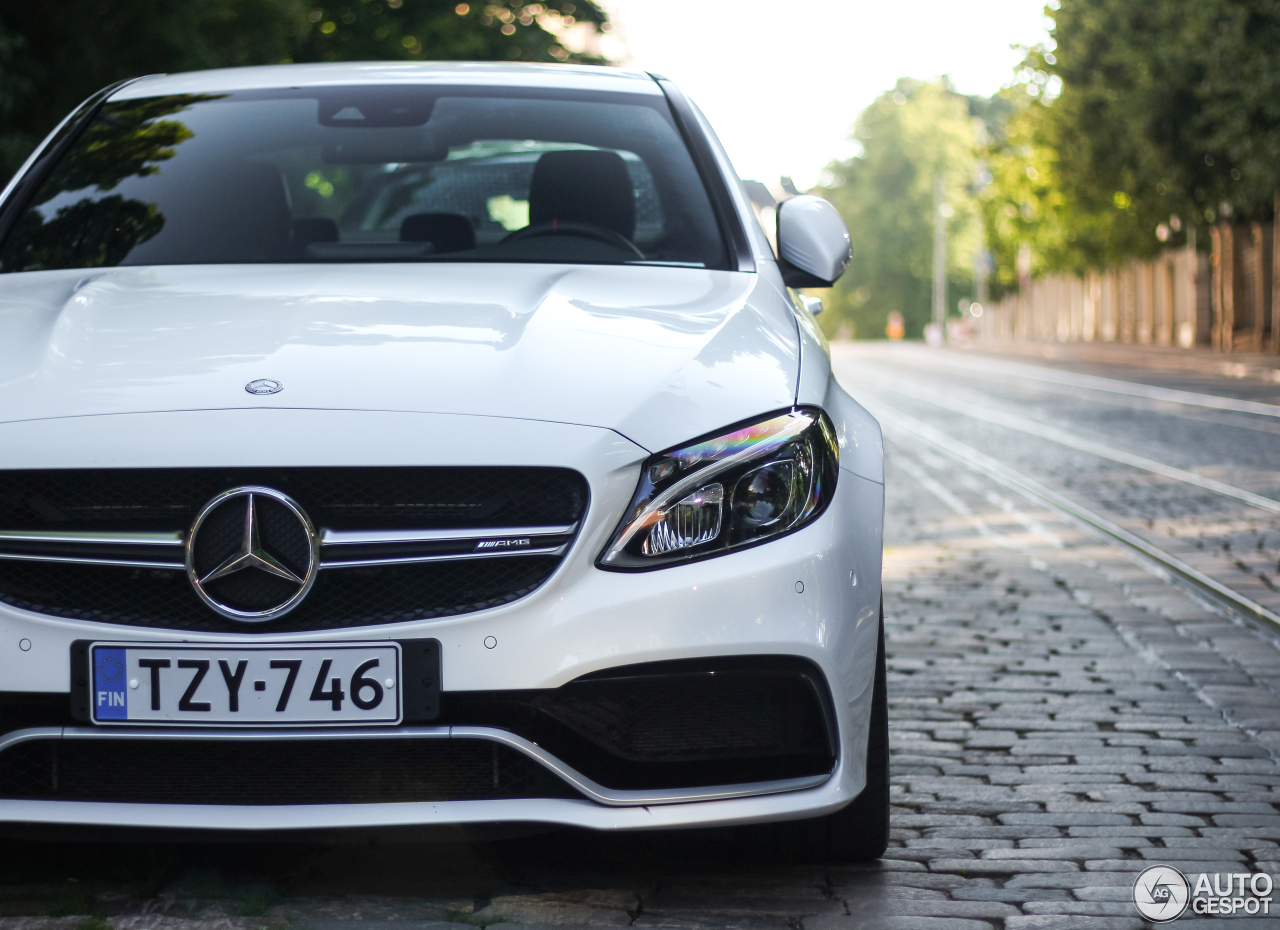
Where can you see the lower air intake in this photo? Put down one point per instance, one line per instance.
(364, 771)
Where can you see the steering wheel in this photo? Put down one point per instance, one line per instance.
(569, 228)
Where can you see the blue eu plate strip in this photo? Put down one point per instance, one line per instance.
(110, 676)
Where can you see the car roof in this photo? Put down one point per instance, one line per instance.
(469, 73)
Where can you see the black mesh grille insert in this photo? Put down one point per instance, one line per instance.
(167, 500)
(338, 498)
(347, 597)
(284, 772)
(684, 718)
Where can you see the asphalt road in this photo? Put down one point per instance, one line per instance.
(1063, 715)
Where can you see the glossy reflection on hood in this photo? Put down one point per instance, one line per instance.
(658, 354)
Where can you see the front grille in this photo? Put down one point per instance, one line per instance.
(285, 772)
(339, 498)
(348, 598)
(160, 501)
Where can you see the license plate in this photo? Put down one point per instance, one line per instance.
(322, 685)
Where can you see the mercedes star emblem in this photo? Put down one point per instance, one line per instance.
(264, 386)
(252, 554)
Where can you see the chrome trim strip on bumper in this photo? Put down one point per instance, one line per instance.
(92, 538)
(327, 538)
(826, 798)
(357, 537)
(22, 736)
(618, 798)
(609, 797)
(78, 560)
(454, 557)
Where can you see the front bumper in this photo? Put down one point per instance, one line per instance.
(574, 781)
(812, 595)
(795, 803)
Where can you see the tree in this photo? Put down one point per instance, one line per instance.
(885, 195)
(1136, 116)
(378, 30)
(1174, 104)
(1036, 197)
(53, 56)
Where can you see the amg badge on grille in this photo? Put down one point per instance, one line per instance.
(252, 554)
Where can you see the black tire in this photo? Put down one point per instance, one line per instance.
(858, 832)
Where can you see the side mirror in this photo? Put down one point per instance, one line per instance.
(812, 304)
(813, 242)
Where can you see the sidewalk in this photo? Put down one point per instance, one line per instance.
(1200, 359)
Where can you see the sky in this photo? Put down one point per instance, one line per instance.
(782, 84)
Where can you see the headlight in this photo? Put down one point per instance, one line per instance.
(745, 486)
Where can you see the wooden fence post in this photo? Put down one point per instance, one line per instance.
(1215, 285)
(1077, 307)
(1042, 298)
(1184, 300)
(1275, 278)
(1092, 300)
(1161, 305)
(1038, 308)
(1228, 275)
(1126, 302)
(1259, 271)
(1109, 303)
(1144, 292)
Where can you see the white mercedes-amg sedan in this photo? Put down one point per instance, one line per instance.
(399, 444)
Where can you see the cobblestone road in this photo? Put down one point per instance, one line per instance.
(1055, 432)
(1061, 719)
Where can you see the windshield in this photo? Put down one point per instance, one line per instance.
(371, 174)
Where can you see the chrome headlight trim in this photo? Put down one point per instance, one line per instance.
(803, 436)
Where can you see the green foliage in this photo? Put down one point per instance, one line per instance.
(886, 197)
(1167, 115)
(71, 899)
(127, 140)
(54, 55)
(59, 54)
(1024, 201)
(505, 30)
(1172, 103)
(256, 900)
(85, 234)
(1038, 197)
(1137, 116)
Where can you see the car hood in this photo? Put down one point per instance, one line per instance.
(658, 354)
